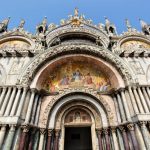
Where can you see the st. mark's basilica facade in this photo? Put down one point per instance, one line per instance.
(74, 86)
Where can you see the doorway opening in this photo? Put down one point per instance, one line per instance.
(78, 138)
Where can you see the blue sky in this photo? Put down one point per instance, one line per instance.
(33, 11)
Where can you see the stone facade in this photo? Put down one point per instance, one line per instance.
(74, 74)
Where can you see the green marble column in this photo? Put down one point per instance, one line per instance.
(2, 135)
(145, 133)
(9, 139)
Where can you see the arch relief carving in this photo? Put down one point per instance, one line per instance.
(30, 69)
(81, 105)
(65, 92)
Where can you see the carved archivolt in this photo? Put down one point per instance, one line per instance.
(88, 92)
(30, 69)
(80, 30)
(75, 106)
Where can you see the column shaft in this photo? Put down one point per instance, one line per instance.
(34, 109)
(5, 101)
(143, 100)
(139, 138)
(9, 139)
(125, 106)
(125, 138)
(2, 135)
(38, 112)
(121, 108)
(107, 139)
(115, 142)
(41, 142)
(146, 135)
(134, 104)
(28, 115)
(21, 102)
(23, 138)
(138, 100)
(99, 135)
(57, 133)
(10, 102)
(48, 146)
(2, 95)
(133, 137)
(13, 110)
(146, 97)
(117, 109)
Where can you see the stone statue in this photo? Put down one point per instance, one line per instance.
(128, 25)
(76, 12)
(21, 25)
(42, 27)
(4, 25)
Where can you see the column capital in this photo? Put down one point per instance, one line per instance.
(130, 126)
(42, 131)
(25, 128)
(34, 90)
(99, 131)
(12, 127)
(50, 132)
(113, 129)
(57, 132)
(19, 87)
(122, 128)
(142, 123)
(106, 130)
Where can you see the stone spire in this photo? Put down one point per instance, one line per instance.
(143, 23)
(145, 27)
(21, 25)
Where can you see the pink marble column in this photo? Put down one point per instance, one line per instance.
(99, 134)
(23, 137)
(50, 132)
(57, 134)
(125, 138)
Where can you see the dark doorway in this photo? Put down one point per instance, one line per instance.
(78, 138)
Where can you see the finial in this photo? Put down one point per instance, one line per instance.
(143, 23)
(76, 12)
(44, 20)
(128, 24)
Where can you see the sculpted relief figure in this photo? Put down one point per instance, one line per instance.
(4, 25)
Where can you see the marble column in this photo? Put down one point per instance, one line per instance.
(10, 137)
(2, 135)
(22, 101)
(148, 91)
(125, 138)
(133, 136)
(120, 140)
(121, 108)
(57, 134)
(138, 100)
(23, 137)
(17, 139)
(31, 141)
(146, 97)
(41, 142)
(117, 109)
(139, 137)
(5, 101)
(99, 135)
(143, 100)
(2, 95)
(125, 105)
(106, 133)
(10, 102)
(13, 110)
(145, 133)
(115, 141)
(38, 111)
(34, 109)
(48, 146)
(29, 110)
(133, 101)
